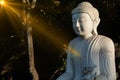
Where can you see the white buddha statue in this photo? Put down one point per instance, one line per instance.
(89, 56)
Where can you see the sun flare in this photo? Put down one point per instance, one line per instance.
(2, 2)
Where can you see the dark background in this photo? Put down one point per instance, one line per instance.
(52, 29)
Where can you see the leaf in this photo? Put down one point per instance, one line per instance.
(56, 2)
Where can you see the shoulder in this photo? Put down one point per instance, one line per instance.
(106, 44)
(74, 41)
(106, 40)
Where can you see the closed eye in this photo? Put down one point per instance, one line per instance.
(73, 21)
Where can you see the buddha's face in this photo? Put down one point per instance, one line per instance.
(82, 24)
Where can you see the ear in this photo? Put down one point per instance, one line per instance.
(96, 22)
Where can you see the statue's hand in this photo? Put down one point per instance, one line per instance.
(88, 77)
(89, 73)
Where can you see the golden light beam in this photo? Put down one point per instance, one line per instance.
(54, 36)
(49, 32)
(73, 51)
(15, 14)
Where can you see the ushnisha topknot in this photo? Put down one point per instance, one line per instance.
(86, 7)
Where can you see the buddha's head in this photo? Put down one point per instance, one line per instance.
(85, 19)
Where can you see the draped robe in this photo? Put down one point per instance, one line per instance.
(95, 55)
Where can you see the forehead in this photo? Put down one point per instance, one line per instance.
(80, 16)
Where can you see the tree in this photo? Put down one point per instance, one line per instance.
(29, 37)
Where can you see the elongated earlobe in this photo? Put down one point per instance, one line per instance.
(96, 23)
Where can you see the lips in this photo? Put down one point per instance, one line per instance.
(77, 29)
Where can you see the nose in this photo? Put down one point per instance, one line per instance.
(77, 23)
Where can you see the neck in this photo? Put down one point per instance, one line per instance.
(86, 36)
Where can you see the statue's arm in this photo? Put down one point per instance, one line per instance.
(107, 60)
(68, 74)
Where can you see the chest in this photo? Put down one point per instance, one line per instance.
(85, 52)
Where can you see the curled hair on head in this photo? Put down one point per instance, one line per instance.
(86, 7)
